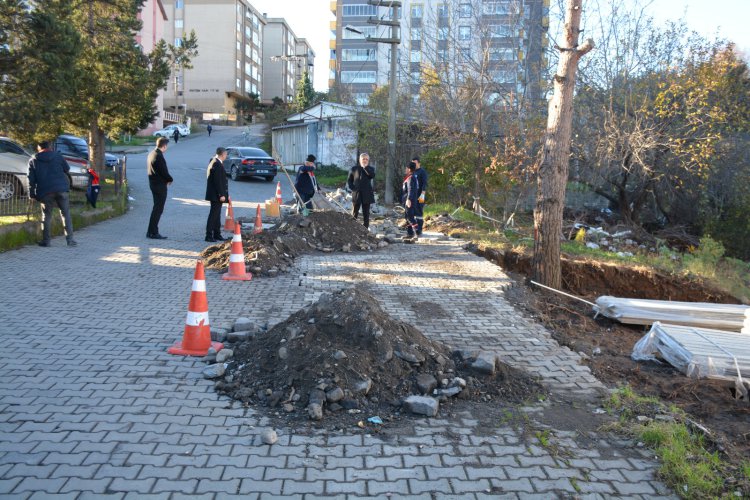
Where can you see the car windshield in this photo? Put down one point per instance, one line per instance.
(79, 144)
(252, 152)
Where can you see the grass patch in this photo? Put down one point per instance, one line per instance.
(331, 177)
(688, 465)
(134, 140)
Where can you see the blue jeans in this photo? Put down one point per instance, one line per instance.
(62, 201)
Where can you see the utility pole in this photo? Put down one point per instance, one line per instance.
(394, 40)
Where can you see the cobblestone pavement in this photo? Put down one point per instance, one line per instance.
(91, 405)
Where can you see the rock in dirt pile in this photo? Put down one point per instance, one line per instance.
(344, 355)
(275, 249)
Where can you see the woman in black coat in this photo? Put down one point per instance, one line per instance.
(360, 183)
(217, 192)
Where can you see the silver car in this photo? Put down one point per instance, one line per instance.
(14, 170)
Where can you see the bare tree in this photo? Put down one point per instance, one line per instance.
(553, 169)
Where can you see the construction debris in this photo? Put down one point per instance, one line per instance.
(699, 352)
(730, 317)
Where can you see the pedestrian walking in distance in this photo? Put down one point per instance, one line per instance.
(217, 192)
(306, 184)
(176, 135)
(158, 180)
(209, 128)
(49, 184)
(409, 197)
(421, 175)
(360, 183)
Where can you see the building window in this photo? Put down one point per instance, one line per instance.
(442, 10)
(366, 31)
(239, 46)
(238, 83)
(358, 54)
(248, 70)
(466, 53)
(464, 10)
(500, 31)
(359, 10)
(239, 64)
(248, 87)
(416, 34)
(496, 8)
(442, 55)
(358, 77)
(464, 32)
(505, 75)
(178, 4)
(502, 54)
(178, 24)
(416, 77)
(178, 42)
(361, 98)
(415, 56)
(443, 33)
(416, 11)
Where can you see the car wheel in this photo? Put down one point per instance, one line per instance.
(234, 173)
(269, 179)
(9, 188)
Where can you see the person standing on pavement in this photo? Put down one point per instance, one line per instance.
(209, 128)
(217, 192)
(409, 197)
(158, 180)
(421, 175)
(305, 184)
(49, 183)
(360, 183)
(176, 135)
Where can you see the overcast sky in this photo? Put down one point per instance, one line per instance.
(310, 19)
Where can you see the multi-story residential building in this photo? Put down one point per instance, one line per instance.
(153, 18)
(502, 40)
(285, 59)
(228, 67)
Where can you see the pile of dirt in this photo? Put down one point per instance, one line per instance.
(275, 249)
(354, 361)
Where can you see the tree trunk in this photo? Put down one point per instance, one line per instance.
(96, 146)
(553, 169)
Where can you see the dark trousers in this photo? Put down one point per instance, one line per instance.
(213, 225)
(365, 212)
(160, 198)
(412, 227)
(48, 202)
(419, 216)
(307, 200)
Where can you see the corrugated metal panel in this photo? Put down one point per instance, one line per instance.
(729, 317)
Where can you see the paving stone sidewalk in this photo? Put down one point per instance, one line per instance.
(91, 405)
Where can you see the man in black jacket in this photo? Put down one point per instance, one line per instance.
(49, 184)
(305, 184)
(158, 180)
(217, 192)
(421, 175)
(360, 183)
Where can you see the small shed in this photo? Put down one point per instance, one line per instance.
(327, 130)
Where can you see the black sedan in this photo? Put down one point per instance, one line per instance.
(250, 162)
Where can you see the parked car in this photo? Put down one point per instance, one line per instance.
(168, 131)
(75, 150)
(14, 169)
(249, 162)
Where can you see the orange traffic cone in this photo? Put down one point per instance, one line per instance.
(197, 337)
(278, 193)
(258, 222)
(229, 221)
(237, 270)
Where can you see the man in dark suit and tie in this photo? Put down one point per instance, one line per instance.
(158, 180)
(217, 192)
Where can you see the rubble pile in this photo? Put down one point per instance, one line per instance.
(274, 250)
(344, 359)
(343, 199)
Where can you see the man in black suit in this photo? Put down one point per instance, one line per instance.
(217, 192)
(360, 183)
(158, 180)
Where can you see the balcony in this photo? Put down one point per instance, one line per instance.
(331, 44)
(332, 25)
(334, 3)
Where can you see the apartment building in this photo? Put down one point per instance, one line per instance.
(503, 40)
(285, 59)
(153, 18)
(228, 67)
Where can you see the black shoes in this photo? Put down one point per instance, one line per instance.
(43, 243)
(72, 243)
(156, 236)
(211, 240)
